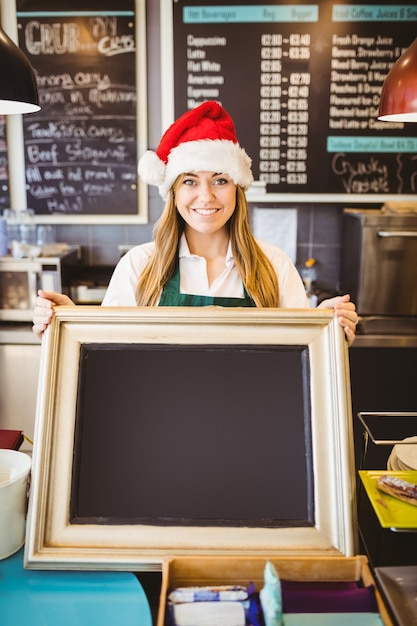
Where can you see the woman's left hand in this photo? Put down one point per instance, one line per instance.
(345, 311)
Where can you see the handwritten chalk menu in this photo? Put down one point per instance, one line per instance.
(302, 83)
(80, 149)
(4, 176)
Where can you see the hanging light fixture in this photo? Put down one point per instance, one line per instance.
(398, 101)
(18, 90)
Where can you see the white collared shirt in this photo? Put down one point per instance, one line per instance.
(194, 280)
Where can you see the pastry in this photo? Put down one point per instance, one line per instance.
(398, 487)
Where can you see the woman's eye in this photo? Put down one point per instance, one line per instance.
(221, 181)
(188, 181)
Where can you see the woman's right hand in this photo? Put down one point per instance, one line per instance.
(44, 309)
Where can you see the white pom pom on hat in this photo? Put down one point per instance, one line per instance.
(202, 139)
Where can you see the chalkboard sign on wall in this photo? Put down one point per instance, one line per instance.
(302, 82)
(81, 148)
(4, 189)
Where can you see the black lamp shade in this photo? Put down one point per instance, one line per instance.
(18, 90)
(399, 92)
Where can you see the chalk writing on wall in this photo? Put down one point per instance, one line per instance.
(4, 188)
(302, 83)
(80, 149)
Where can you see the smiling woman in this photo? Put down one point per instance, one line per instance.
(204, 252)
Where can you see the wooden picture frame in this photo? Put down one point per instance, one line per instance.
(73, 399)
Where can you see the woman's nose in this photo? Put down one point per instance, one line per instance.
(205, 191)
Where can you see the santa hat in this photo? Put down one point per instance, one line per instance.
(203, 139)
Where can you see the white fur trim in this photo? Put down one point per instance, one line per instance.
(151, 169)
(208, 155)
(205, 155)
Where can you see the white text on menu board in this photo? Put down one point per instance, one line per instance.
(203, 75)
(284, 111)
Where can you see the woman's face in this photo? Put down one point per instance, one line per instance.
(206, 201)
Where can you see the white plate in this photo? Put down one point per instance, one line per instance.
(407, 454)
(392, 463)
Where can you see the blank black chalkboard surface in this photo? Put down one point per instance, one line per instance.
(209, 428)
(302, 81)
(81, 147)
(166, 429)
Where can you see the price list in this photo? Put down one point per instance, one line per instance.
(302, 83)
(284, 110)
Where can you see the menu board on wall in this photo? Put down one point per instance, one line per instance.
(4, 187)
(81, 147)
(302, 82)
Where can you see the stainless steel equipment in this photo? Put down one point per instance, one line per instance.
(379, 268)
(21, 278)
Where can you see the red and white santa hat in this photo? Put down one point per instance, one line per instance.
(202, 139)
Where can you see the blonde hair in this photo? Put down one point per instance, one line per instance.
(258, 275)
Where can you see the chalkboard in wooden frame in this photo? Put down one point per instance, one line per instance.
(81, 149)
(164, 430)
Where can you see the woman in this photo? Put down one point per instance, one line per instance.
(204, 252)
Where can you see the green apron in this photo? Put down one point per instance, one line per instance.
(171, 296)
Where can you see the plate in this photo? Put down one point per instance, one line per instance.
(407, 453)
(392, 463)
(391, 512)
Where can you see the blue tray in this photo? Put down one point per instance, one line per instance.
(49, 598)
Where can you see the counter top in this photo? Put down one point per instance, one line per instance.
(385, 341)
(45, 598)
(399, 586)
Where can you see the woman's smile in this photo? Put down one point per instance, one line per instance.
(205, 212)
(206, 201)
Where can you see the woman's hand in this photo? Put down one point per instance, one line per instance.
(345, 311)
(44, 309)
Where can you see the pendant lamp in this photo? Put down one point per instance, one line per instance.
(18, 90)
(398, 101)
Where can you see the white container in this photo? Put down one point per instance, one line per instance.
(14, 473)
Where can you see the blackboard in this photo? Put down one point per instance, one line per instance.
(302, 81)
(4, 187)
(129, 400)
(193, 435)
(81, 148)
